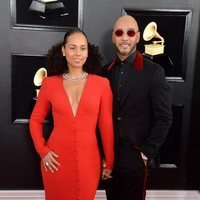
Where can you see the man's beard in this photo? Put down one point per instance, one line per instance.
(125, 53)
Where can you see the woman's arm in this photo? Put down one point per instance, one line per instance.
(106, 124)
(37, 118)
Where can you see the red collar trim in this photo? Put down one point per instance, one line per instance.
(138, 64)
(111, 65)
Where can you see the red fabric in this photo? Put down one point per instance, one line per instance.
(73, 137)
(111, 65)
(145, 182)
(138, 61)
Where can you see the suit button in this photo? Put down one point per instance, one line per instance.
(119, 118)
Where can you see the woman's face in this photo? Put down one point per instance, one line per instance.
(75, 50)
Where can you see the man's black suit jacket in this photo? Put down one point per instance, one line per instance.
(144, 114)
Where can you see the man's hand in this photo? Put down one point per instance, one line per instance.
(144, 158)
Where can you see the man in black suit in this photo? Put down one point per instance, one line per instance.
(141, 110)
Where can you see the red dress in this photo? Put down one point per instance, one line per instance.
(74, 137)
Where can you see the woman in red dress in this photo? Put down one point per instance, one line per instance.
(79, 100)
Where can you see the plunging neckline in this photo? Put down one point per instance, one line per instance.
(74, 115)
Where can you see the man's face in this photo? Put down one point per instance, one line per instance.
(125, 37)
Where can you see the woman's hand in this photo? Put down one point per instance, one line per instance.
(50, 162)
(106, 173)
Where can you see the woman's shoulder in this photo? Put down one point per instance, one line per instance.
(51, 80)
(98, 78)
(99, 82)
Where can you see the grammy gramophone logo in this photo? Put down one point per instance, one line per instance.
(155, 49)
(38, 78)
(48, 8)
(157, 46)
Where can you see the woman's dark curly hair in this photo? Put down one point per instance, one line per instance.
(57, 64)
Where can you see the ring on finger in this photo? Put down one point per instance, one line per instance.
(47, 164)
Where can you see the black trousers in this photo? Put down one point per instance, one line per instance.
(129, 174)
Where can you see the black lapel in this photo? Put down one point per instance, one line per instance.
(109, 73)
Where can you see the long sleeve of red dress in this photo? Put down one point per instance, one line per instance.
(106, 124)
(37, 119)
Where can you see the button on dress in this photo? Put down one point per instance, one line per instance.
(73, 137)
